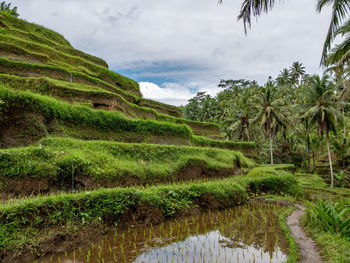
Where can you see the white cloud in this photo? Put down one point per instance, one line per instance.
(172, 93)
(203, 40)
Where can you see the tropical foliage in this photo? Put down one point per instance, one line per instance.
(294, 118)
(330, 218)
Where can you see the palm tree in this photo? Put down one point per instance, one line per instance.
(270, 112)
(340, 8)
(340, 54)
(315, 145)
(238, 123)
(284, 78)
(321, 109)
(297, 71)
(207, 108)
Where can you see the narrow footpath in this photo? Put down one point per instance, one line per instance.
(308, 248)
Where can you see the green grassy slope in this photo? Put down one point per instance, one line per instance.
(99, 98)
(15, 45)
(65, 164)
(37, 51)
(36, 58)
(38, 116)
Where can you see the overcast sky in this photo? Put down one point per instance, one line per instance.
(175, 48)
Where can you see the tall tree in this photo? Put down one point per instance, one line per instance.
(237, 125)
(321, 110)
(270, 112)
(297, 71)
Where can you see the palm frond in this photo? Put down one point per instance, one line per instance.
(339, 12)
(253, 8)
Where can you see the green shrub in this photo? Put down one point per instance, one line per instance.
(330, 218)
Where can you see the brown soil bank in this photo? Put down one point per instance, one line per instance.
(307, 246)
(40, 226)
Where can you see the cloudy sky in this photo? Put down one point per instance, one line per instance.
(175, 48)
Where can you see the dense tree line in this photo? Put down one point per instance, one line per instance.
(294, 118)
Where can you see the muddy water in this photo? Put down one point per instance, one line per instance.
(248, 233)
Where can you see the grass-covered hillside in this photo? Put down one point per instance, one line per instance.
(70, 128)
(83, 156)
(49, 88)
(41, 61)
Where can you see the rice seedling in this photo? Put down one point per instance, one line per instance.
(249, 233)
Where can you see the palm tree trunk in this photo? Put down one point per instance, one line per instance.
(330, 160)
(308, 151)
(314, 159)
(344, 124)
(271, 152)
(344, 139)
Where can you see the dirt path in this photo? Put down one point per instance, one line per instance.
(307, 247)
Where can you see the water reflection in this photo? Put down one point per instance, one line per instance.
(248, 233)
(211, 247)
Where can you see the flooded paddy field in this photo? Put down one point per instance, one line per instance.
(248, 233)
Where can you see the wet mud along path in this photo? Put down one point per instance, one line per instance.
(308, 249)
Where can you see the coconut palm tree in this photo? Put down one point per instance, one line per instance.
(284, 78)
(340, 54)
(315, 145)
(321, 109)
(270, 112)
(340, 8)
(238, 123)
(297, 71)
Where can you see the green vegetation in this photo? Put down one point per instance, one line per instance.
(60, 160)
(93, 154)
(334, 248)
(68, 62)
(104, 121)
(326, 214)
(25, 220)
(84, 93)
(287, 117)
(7, 8)
(330, 218)
(37, 37)
(100, 119)
(13, 22)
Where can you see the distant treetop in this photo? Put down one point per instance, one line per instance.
(7, 8)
